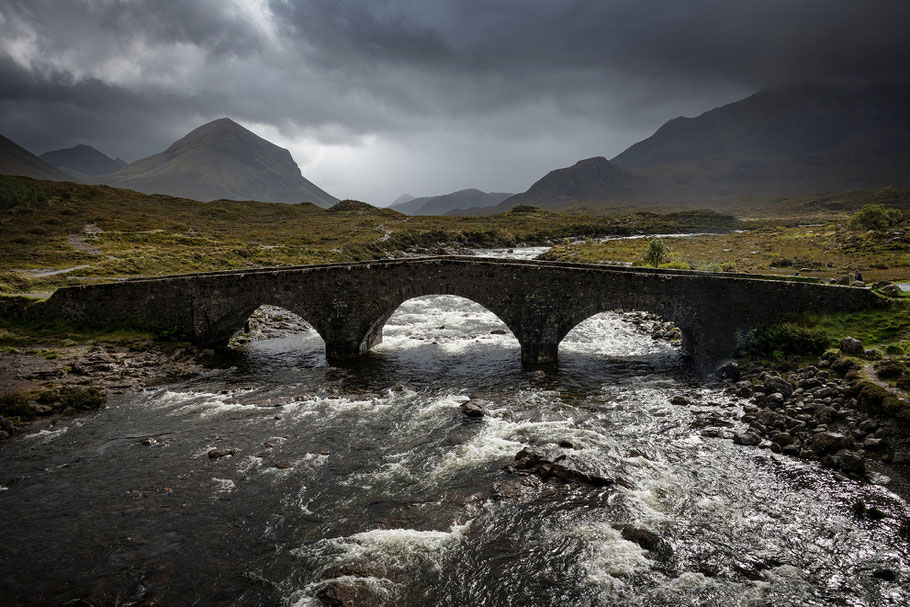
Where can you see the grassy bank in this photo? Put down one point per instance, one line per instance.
(105, 232)
(823, 251)
(881, 373)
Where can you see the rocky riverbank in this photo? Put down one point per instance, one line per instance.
(838, 411)
(41, 386)
(828, 412)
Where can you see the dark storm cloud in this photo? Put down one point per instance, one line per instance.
(540, 83)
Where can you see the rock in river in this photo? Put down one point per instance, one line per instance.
(551, 464)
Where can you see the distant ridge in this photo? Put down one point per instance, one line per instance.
(787, 140)
(785, 121)
(82, 159)
(16, 160)
(591, 180)
(450, 203)
(402, 199)
(222, 160)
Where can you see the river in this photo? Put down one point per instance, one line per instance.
(370, 477)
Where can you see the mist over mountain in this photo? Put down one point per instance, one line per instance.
(402, 199)
(16, 160)
(786, 121)
(591, 180)
(785, 140)
(82, 159)
(222, 159)
(448, 203)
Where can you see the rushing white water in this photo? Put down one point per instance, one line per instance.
(369, 480)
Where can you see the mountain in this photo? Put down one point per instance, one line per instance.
(402, 199)
(450, 203)
(16, 160)
(222, 160)
(594, 180)
(787, 140)
(791, 120)
(82, 159)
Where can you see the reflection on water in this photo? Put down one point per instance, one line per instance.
(369, 477)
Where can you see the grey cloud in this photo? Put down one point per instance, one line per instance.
(536, 81)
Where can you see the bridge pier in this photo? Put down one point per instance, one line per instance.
(344, 347)
(536, 353)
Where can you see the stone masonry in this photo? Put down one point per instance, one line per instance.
(348, 304)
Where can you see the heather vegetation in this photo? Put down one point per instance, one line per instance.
(99, 233)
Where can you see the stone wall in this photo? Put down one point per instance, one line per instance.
(540, 302)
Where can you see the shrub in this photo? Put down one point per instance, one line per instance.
(874, 217)
(14, 193)
(657, 252)
(784, 339)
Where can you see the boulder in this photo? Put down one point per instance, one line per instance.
(776, 383)
(549, 464)
(728, 370)
(650, 541)
(679, 399)
(891, 290)
(472, 408)
(748, 438)
(851, 346)
(744, 389)
(221, 452)
(825, 443)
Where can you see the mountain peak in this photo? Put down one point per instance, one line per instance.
(82, 159)
(16, 160)
(223, 160)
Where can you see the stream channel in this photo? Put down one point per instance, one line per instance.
(369, 480)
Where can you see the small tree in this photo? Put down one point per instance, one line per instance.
(874, 217)
(657, 252)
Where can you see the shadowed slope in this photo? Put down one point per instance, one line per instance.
(222, 160)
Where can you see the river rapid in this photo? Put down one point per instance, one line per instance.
(369, 480)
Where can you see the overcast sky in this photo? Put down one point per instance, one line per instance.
(378, 97)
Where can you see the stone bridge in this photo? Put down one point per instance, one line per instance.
(540, 302)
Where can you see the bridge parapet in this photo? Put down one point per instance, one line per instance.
(540, 302)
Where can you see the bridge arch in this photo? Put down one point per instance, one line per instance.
(372, 331)
(540, 302)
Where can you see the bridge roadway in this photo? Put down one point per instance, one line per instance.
(540, 302)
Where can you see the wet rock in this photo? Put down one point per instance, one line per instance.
(549, 464)
(776, 383)
(341, 594)
(472, 408)
(679, 399)
(851, 346)
(889, 575)
(891, 290)
(728, 370)
(149, 442)
(6, 425)
(824, 443)
(397, 388)
(846, 461)
(744, 389)
(649, 541)
(221, 452)
(748, 438)
(498, 332)
(566, 444)
(782, 438)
